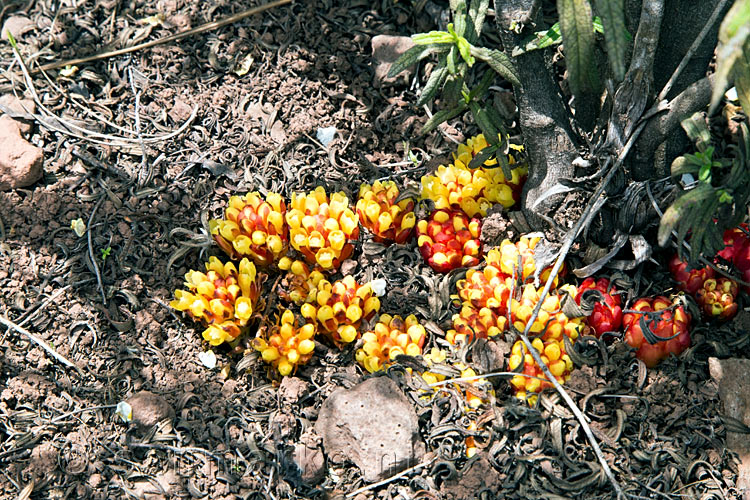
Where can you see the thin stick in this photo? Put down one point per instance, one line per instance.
(569, 239)
(10, 325)
(691, 51)
(91, 251)
(390, 479)
(171, 38)
(51, 120)
(146, 172)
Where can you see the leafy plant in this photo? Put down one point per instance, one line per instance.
(733, 55)
(458, 53)
(106, 252)
(718, 198)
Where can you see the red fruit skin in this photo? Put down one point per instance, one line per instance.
(734, 240)
(689, 281)
(670, 323)
(606, 316)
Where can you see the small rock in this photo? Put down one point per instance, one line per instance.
(18, 108)
(309, 458)
(166, 485)
(373, 425)
(43, 460)
(20, 161)
(17, 26)
(292, 389)
(180, 112)
(278, 133)
(731, 377)
(477, 477)
(385, 50)
(149, 409)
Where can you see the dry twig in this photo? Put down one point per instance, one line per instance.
(62, 359)
(171, 38)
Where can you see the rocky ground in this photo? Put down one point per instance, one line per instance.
(144, 148)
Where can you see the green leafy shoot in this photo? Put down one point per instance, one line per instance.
(458, 55)
(106, 252)
(732, 60)
(716, 201)
(552, 36)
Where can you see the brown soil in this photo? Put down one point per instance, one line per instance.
(311, 68)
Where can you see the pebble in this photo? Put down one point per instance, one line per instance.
(385, 50)
(149, 409)
(372, 424)
(20, 161)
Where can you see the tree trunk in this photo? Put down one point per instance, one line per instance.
(544, 121)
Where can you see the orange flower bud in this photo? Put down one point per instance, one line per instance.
(252, 228)
(223, 298)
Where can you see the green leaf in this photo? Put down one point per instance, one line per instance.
(479, 91)
(475, 22)
(741, 73)
(733, 33)
(433, 84)
(412, 56)
(677, 211)
(11, 39)
(697, 131)
(459, 17)
(681, 165)
(485, 124)
(482, 156)
(613, 20)
(491, 134)
(454, 85)
(578, 40)
(499, 62)
(442, 116)
(432, 37)
(541, 40)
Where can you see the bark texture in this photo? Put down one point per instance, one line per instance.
(544, 121)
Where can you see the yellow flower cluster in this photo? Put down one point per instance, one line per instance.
(552, 353)
(253, 228)
(321, 227)
(388, 221)
(299, 281)
(223, 298)
(340, 307)
(474, 191)
(391, 336)
(287, 345)
(485, 294)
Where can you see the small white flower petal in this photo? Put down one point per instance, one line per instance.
(78, 226)
(326, 135)
(208, 359)
(124, 411)
(378, 287)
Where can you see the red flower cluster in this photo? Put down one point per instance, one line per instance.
(607, 313)
(665, 320)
